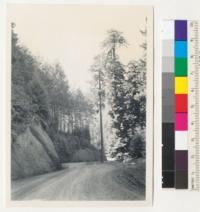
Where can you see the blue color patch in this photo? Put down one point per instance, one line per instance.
(180, 30)
(181, 49)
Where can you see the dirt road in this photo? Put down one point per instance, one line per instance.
(84, 181)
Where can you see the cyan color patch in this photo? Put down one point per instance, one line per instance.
(181, 49)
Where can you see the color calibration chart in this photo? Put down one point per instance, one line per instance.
(180, 104)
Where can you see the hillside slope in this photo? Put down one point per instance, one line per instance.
(33, 153)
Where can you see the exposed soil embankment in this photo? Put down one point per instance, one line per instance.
(33, 153)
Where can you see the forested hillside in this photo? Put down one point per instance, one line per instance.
(50, 122)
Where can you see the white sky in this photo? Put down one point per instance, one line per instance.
(71, 35)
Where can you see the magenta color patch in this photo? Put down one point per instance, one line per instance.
(181, 121)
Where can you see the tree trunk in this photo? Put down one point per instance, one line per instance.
(101, 122)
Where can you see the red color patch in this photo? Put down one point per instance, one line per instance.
(181, 103)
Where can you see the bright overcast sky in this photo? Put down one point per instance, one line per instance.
(71, 35)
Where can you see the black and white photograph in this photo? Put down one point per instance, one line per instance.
(81, 103)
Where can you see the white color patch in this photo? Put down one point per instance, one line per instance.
(168, 30)
(181, 140)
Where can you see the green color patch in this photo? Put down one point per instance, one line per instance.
(181, 67)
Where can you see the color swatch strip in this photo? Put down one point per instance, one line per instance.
(174, 104)
(181, 110)
(168, 102)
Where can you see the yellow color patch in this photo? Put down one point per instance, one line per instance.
(181, 85)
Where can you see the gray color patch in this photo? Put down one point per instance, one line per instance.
(168, 113)
(168, 48)
(168, 97)
(167, 80)
(168, 64)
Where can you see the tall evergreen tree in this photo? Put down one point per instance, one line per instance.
(126, 94)
(116, 94)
